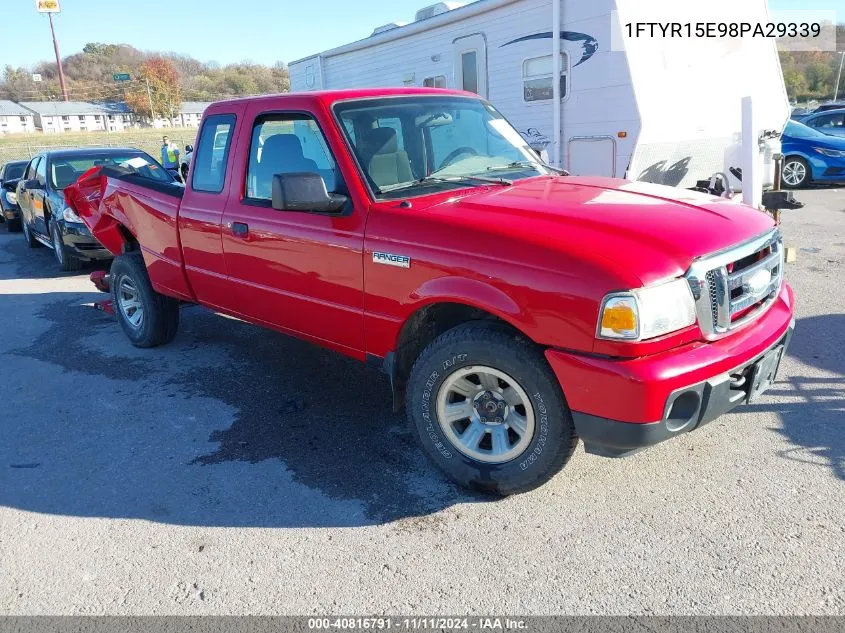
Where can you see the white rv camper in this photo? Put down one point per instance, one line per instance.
(645, 112)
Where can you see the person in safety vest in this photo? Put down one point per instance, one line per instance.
(170, 156)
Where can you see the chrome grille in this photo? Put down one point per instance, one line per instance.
(734, 286)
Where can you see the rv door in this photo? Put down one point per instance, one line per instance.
(471, 64)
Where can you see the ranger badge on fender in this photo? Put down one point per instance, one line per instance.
(402, 261)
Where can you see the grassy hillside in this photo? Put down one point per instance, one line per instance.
(24, 146)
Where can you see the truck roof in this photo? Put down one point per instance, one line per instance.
(329, 97)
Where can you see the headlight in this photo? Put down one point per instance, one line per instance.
(647, 312)
(11, 197)
(833, 153)
(70, 215)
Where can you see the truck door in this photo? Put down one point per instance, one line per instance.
(471, 64)
(298, 271)
(201, 211)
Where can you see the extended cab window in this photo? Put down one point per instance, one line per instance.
(285, 144)
(208, 167)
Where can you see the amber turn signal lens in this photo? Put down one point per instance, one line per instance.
(619, 318)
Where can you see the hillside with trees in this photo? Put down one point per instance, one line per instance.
(173, 78)
(811, 75)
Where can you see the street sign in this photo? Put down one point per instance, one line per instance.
(121, 77)
(36, 77)
(47, 6)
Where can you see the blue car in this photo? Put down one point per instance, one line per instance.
(828, 122)
(810, 156)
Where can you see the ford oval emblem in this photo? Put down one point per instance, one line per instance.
(759, 281)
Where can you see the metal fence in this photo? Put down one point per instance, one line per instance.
(151, 145)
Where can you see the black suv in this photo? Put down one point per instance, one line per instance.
(9, 209)
(49, 221)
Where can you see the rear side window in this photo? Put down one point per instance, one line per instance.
(208, 167)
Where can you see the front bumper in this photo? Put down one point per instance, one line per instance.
(621, 406)
(81, 243)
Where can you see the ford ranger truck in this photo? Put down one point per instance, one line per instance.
(515, 309)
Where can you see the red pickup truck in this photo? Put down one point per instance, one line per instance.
(514, 308)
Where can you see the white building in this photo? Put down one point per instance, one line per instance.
(15, 119)
(53, 117)
(191, 113)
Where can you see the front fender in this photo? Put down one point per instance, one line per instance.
(473, 293)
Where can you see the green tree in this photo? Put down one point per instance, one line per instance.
(796, 84)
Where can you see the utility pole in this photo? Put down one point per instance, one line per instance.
(839, 74)
(150, 97)
(58, 59)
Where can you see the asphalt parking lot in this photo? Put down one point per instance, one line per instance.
(240, 471)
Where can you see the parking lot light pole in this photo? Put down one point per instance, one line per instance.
(58, 59)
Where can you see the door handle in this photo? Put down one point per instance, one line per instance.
(239, 229)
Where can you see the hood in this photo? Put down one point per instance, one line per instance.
(827, 141)
(647, 232)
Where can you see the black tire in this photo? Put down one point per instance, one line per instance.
(481, 344)
(28, 237)
(797, 163)
(67, 261)
(13, 225)
(184, 172)
(160, 319)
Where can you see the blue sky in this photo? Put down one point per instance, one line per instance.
(260, 30)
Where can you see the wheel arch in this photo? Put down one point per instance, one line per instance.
(441, 305)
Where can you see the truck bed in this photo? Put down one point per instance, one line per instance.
(118, 204)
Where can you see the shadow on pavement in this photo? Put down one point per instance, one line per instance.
(812, 408)
(230, 425)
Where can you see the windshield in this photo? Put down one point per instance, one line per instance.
(799, 130)
(14, 171)
(65, 170)
(409, 145)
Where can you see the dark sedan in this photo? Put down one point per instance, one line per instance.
(9, 208)
(46, 218)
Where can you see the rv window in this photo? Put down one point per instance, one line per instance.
(469, 71)
(435, 82)
(209, 164)
(284, 144)
(537, 78)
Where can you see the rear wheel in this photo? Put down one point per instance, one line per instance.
(67, 261)
(147, 317)
(28, 236)
(488, 410)
(796, 172)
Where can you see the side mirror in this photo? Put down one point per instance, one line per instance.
(304, 191)
(32, 184)
(11, 185)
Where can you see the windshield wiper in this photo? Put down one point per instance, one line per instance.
(434, 179)
(467, 178)
(525, 163)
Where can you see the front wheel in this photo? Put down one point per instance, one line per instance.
(796, 172)
(147, 317)
(488, 410)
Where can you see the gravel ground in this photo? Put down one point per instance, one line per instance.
(238, 471)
